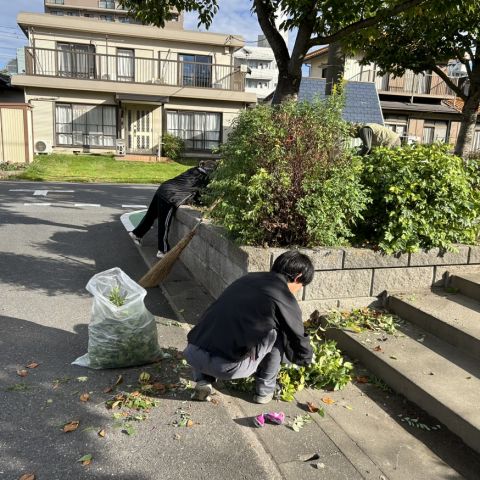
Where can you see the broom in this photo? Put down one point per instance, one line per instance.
(159, 272)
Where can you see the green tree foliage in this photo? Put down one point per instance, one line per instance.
(423, 197)
(317, 23)
(286, 178)
(424, 38)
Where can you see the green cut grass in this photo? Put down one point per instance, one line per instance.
(99, 168)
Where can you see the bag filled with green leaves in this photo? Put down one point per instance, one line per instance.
(122, 332)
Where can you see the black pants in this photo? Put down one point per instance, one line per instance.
(163, 211)
(366, 136)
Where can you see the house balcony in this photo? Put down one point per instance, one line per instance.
(87, 70)
(422, 85)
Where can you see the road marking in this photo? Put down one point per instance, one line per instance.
(87, 205)
(39, 203)
(40, 192)
(134, 206)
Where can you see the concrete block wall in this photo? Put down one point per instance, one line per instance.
(345, 277)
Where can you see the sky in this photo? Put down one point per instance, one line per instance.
(234, 17)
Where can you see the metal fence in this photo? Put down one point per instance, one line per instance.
(83, 63)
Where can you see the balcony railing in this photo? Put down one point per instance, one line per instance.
(410, 83)
(54, 2)
(84, 64)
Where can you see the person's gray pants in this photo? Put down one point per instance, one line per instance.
(264, 362)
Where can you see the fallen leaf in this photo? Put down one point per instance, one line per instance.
(312, 407)
(32, 365)
(84, 397)
(378, 348)
(82, 379)
(318, 465)
(119, 380)
(71, 426)
(27, 476)
(22, 373)
(328, 400)
(107, 390)
(102, 433)
(468, 378)
(348, 407)
(309, 457)
(159, 387)
(86, 459)
(189, 423)
(393, 357)
(214, 401)
(362, 379)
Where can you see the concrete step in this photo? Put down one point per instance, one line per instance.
(454, 318)
(431, 373)
(468, 284)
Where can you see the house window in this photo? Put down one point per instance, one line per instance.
(85, 125)
(398, 124)
(199, 130)
(434, 131)
(196, 70)
(73, 14)
(476, 140)
(107, 18)
(76, 60)
(57, 12)
(125, 65)
(106, 4)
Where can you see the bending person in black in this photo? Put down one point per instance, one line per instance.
(168, 197)
(248, 330)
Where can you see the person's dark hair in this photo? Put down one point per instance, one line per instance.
(293, 263)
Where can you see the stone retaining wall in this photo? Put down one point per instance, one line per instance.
(346, 277)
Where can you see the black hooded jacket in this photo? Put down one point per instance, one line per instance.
(182, 188)
(244, 314)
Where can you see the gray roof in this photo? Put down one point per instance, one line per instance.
(362, 104)
(418, 107)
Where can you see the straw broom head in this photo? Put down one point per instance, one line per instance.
(159, 272)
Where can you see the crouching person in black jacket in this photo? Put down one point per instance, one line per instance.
(254, 323)
(168, 197)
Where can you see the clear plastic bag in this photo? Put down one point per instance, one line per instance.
(119, 336)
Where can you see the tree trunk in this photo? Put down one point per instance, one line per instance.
(335, 67)
(467, 128)
(287, 87)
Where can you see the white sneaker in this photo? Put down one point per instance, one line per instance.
(136, 240)
(160, 254)
(203, 390)
(263, 399)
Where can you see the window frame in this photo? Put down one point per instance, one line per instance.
(72, 133)
(198, 81)
(192, 139)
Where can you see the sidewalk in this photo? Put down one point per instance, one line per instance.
(361, 435)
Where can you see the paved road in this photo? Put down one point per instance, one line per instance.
(49, 248)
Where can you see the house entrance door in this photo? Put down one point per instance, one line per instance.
(139, 127)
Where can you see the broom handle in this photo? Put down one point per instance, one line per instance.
(210, 209)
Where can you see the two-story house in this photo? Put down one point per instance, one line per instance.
(95, 85)
(420, 107)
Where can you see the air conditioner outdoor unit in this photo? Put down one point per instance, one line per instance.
(43, 146)
(120, 148)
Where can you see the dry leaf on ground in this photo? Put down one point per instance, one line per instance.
(71, 426)
(86, 459)
(27, 476)
(85, 397)
(378, 348)
(22, 373)
(362, 379)
(189, 423)
(328, 400)
(32, 365)
(312, 407)
(102, 433)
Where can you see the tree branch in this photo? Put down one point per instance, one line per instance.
(449, 82)
(364, 23)
(264, 12)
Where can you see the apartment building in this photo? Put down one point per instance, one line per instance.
(421, 108)
(107, 10)
(98, 86)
